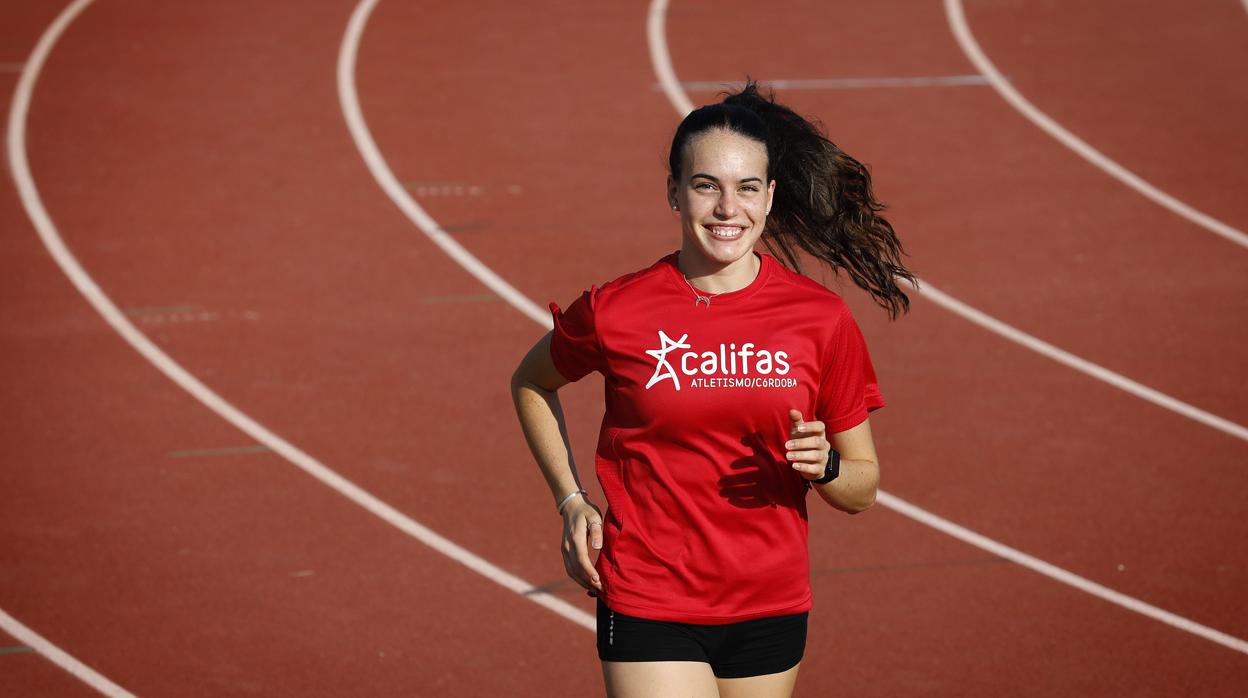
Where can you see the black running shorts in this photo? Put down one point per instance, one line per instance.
(734, 650)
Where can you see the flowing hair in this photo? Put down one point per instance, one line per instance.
(823, 202)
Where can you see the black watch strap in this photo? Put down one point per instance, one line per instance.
(832, 469)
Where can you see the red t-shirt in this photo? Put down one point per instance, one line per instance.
(706, 520)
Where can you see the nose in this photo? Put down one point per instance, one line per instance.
(726, 207)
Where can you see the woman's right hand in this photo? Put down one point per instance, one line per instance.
(582, 530)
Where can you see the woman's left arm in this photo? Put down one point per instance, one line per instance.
(853, 490)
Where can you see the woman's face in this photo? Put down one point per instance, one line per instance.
(723, 196)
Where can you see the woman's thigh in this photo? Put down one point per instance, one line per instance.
(765, 686)
(661, 679)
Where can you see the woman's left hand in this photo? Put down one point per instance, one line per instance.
(807, 446)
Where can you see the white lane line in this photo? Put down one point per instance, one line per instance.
(667, 76)
(51, 238)
(391, 185)
(1054, 572)
(16, 143)
(58, 656)
(1080, 364)
(661, 60)
(839, 83)
(962, 32)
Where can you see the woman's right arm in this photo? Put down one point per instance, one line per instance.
(534, 388)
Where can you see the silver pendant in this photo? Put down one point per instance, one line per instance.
(700, 299)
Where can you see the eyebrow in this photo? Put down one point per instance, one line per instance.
(714, 179)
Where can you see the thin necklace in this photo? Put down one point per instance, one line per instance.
(699, 298)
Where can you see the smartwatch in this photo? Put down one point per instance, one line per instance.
(832, 469)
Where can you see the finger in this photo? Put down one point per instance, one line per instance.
(795, 416)
(595, 534)
(571, 566)
(813, 427)
(574, 573)
(818, 458)
(589, 574)
(809, 443)
(809, 470)
(573, 551)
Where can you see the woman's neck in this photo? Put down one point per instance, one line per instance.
(713, 278)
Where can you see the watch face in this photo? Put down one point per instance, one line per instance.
(833, 468)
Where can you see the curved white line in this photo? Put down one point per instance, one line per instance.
(390, 184)
(962, 32)
(656, 37)
(354, 117)
(667, 77)
(16, 143)
(1057, 573)
(51, 238)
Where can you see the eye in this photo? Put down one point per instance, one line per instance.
(749, 187)
(704, 186)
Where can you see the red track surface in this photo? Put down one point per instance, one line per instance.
(194, 157)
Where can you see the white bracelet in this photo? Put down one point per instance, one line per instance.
(568, 499)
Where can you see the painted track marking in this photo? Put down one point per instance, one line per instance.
(34, 641)
(966, 40)
(661, 58)
(395, 189)
(390, 184)
(840, 83)
(217, 452)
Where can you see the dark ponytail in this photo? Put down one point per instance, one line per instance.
(823, 202)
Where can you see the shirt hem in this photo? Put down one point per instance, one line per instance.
(677, 617)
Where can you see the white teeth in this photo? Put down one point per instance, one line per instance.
(726, 231)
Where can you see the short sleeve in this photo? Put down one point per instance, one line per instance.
(574, 345)
(848, 389)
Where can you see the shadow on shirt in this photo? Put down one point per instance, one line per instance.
(759, 480)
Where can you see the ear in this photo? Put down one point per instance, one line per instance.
(771, 194)
(672, 187)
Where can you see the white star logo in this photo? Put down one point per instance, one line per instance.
(660, 355)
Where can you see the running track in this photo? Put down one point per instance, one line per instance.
(195, 160)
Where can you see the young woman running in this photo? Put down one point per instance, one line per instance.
(733, 387)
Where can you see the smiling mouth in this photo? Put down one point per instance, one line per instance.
(725, 232)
